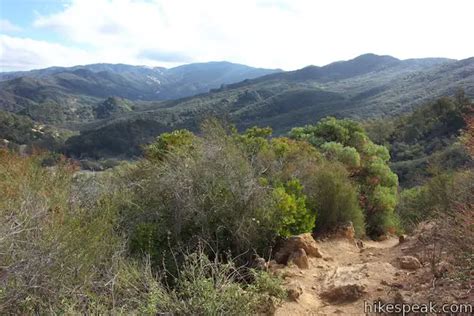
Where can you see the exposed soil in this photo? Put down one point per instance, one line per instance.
(347, 276)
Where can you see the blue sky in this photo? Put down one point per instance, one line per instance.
(22, 13)
(286, 34)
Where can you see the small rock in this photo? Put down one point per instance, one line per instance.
(360, 244)
(293, 243)
(383, 282)
(273, 266)
(345, 293)
(299, 258)
(346, 231)
(409, 263)
(294, 291)
(313, 287)
(397, 285)
(379, 289)
(402, 238)
(328, 259)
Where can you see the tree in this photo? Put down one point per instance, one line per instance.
(347, 142)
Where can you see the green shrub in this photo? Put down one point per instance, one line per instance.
(335, 199)
(412, 208)
(439, 197)
(296, 218)
(346, 141)
(63, 254)
(205, 287)
(53, 249)
(210, 193)
(178, 141)
(347, 155)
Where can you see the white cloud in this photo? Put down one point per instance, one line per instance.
(287, 34)
(24, 53)
(8, 27)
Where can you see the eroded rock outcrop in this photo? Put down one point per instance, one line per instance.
(293, 245)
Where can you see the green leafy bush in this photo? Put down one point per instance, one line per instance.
(440, 196)
(237, 192)
(178, 141)
(209, 193)
(347, 155)
(335, 199)
(346, 141)
(296, 218)
(63, 254)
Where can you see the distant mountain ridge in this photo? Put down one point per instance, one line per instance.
(144, 83)
(71, 93)
(367, 86)
(147, 101)
(360, 65)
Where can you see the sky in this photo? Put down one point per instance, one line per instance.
(286, 34)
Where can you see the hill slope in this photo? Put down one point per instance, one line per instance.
(367, 86)
(77, 88)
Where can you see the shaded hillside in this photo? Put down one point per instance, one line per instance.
(370, 86)
(20, 90)
(17, 130)
(425, 141)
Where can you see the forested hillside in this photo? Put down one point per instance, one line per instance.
(56, 95)
(369, 86)
(425, 142)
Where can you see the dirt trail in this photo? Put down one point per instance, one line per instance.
(343, 263)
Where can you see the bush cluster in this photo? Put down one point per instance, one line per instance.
(176, 232)
(63, 252)
(345, 141)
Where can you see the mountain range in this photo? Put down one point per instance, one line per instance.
(76, 89)
(118, 107)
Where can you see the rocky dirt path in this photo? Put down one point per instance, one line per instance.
(344, 278)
